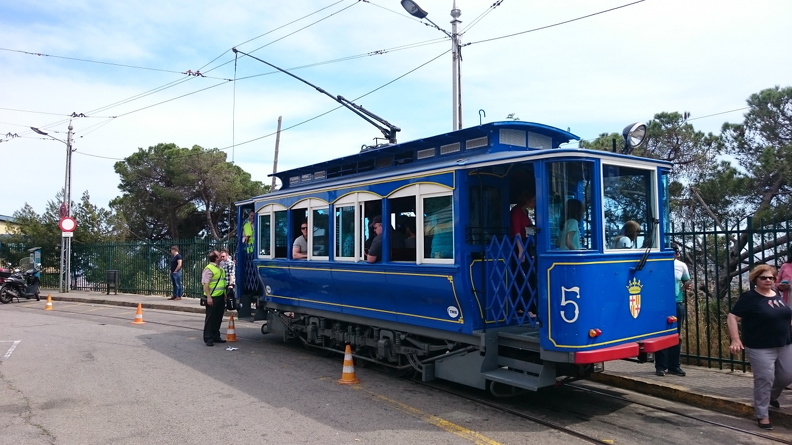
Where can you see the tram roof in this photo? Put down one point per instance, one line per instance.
(416, 151)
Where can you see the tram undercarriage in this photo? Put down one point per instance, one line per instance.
(486, 360)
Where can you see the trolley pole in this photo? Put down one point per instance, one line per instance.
(277, 147)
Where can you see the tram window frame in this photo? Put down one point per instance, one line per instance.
(420, 191)
(343, 234)
(277, 216)
(429, 254)
(359, 201)
(628, 194)
(402, 213)
(264, 234)
(320, 236)
(563, 185)
(303, 211)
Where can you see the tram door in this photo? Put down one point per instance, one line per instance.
(507, 274)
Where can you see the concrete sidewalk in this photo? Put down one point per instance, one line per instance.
(719, 390)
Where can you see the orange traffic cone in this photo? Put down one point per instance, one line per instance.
(348, 376)
(48, 307)
(139, 315)
(231, 332)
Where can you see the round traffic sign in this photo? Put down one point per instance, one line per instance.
(67, 224)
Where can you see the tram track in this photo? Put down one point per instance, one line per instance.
(599, 393)
(556, 426)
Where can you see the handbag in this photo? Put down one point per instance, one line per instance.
(231, 302)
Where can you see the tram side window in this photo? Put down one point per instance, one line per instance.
(263, 236)
(320, 232)
(438, 227)
(403, 231)
(299, 219)
(628, 207)
(345, 232)
(281, 240)
(571, 217)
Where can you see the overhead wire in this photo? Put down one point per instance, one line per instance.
(368, 54)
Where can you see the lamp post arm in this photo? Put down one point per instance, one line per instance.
(388, 130)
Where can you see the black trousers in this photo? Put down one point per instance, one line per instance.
(214, 319)
(669, 358)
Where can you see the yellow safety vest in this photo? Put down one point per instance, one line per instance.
(247, 230)
(218, 282)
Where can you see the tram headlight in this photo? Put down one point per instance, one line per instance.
(594, 333)
(672, 319)
(634, 136)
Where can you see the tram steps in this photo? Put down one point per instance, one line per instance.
(522, 374)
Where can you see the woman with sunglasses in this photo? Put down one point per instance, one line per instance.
(766, 337)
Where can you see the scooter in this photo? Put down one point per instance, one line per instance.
(19, 285)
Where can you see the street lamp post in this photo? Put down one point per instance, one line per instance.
(456, 54)
(64, 282)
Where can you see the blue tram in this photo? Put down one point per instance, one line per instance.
(453, 292)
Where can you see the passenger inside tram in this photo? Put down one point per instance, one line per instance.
(569, 237)
(627, 237)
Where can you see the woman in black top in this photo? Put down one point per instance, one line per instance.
(766, 337)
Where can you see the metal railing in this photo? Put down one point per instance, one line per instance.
(143, 267)
(719, 257)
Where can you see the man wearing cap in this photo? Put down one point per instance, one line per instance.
(667, 360)
(374, 253)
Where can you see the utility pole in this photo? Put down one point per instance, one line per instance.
(277, 146)
(65, 281)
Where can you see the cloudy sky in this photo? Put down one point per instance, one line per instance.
(590, 66)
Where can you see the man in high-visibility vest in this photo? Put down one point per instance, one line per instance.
(247, 233)
(214, 289)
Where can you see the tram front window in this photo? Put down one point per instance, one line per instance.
(628, 207)
(570, 215)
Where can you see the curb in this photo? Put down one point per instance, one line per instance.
(160, 306)
(684, 395)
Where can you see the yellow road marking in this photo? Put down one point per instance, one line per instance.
(441, 423)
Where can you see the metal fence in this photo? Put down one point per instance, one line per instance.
(139, 267)
(720, 257)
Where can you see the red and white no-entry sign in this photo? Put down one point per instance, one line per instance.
(67, 224)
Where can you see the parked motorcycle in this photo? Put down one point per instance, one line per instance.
(21, 285)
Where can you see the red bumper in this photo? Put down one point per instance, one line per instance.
(626, 350)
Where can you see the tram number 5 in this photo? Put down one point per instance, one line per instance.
(564, 301)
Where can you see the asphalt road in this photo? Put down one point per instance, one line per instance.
(84, 374)
(93, 377)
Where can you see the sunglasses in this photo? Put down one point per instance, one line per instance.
(763, 277)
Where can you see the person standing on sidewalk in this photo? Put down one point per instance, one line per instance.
(214, 289)
(227, 263)
(667, 360)
(175, 274)
(766, 337)
(785, 277)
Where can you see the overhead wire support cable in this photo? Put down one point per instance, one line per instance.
(559, 23)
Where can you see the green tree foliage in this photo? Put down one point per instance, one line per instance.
(762, 148)
(94, 225)
(170, 192)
